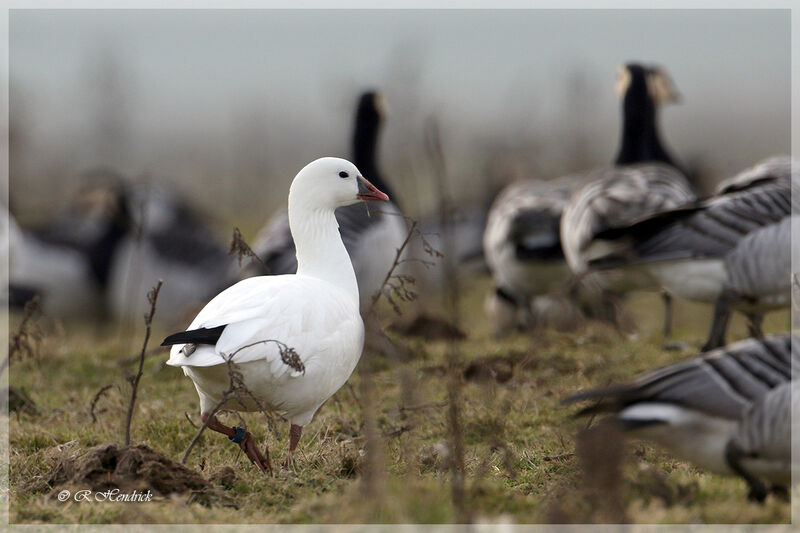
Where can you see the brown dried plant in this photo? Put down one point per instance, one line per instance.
(25, 342)
(240, 247)
(152, 298)
(435, 151)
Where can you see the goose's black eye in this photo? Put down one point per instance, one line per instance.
(344, 174)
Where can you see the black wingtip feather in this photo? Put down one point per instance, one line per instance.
(610, 392)
(608, 399)
(195, 336)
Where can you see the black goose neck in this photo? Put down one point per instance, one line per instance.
(101, 253)
(366, 132)
(640, 140)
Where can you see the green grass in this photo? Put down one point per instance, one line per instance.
(519, 442)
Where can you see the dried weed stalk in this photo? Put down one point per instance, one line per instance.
(435, 151)
(152, 298)
(25, 342)
(96, 399)
(395, 287)
(601, 452)
(371, 472)
(240, 247)
(399, 285)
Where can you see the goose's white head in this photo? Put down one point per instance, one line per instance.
(331, 182)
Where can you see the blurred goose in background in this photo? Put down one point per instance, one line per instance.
(294, 338)
(712, 410)
(371, 237)
(645, 179)
(780, 166)
(733, 248)
(172, 243)
(523, 239)
(70, 268)
(522, 248)
(79, 221)
(153, 234)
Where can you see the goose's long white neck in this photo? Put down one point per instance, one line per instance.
(320, 251)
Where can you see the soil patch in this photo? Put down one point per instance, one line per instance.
(431, 328)
(126, 468)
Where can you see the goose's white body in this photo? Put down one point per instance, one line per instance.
(319, 320)
(314, 312)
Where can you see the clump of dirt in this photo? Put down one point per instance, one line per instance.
(499, 368)
(492, 368)
(431, 328)
(126, 468)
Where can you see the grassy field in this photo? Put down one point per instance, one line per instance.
(519, 443)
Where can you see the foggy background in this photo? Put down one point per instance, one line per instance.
(227, 105)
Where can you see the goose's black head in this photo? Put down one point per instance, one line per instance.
(104, 196)
(644, 87)
(642, 90)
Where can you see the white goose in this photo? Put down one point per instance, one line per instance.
(315, 312)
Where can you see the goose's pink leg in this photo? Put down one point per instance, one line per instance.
(247, 443)
(295, 432)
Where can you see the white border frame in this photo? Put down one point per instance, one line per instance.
(790, 5)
